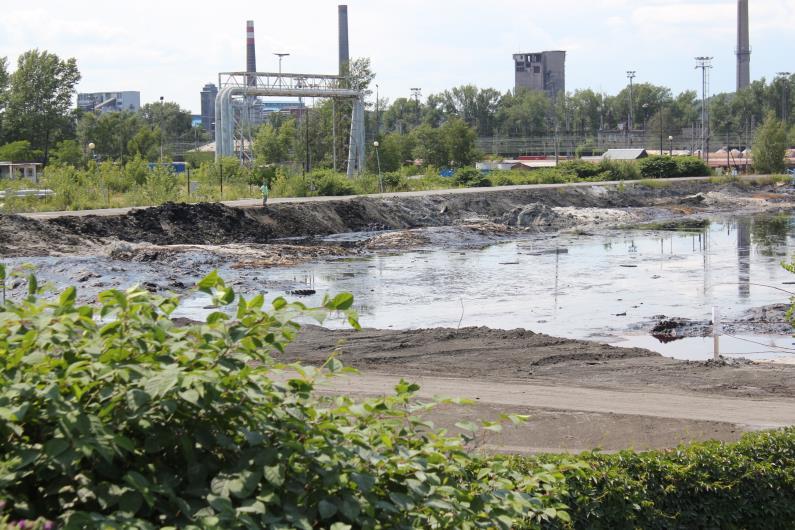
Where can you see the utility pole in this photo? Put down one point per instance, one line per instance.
(161, 128)
(631, 76)
(377, 113)
(705, 64)
(784, 76)
(416, 93)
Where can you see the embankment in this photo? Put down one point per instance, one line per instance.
(215, 224)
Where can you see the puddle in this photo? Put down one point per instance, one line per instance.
(752, 347)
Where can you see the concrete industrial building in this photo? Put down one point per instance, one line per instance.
(208, 94)
(109, 101)
(542, 71)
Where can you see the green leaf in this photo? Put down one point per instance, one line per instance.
(340, 526)
(342, 301)
(55, 447)
(68, 297)
(274, 474)
(364, 481)
(326, 509)
(131, 502)
(209, 282)
(33, 284)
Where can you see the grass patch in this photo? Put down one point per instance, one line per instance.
(675, 225)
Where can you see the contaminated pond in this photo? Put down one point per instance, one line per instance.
(604, 285)
(597, 286)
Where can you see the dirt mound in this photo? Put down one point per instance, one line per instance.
(196, 224)
(20, 236)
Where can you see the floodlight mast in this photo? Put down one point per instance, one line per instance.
(705, 65)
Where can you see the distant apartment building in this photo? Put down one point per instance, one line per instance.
(208, 94)
(542, 71)
(109, 101)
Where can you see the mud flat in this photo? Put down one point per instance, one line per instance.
(579, 394)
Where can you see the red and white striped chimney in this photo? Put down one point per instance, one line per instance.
(251, 54)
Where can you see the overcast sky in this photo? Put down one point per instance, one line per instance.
(172, 48)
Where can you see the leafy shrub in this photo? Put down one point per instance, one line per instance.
(329, 183)
(582, 170)
(750, 484)
(619, 170)
(501, 178)
(658, 167)
(114, 417)
(471, 177)
(395, 182)
(691, 166)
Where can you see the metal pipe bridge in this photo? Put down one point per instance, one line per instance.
(242, 87)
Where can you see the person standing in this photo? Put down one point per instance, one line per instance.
(265, 192)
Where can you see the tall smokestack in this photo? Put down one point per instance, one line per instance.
(343, 45)
(743, 46)
(251, 54)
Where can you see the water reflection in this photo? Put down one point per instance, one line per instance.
(576, 286)
(744, 257)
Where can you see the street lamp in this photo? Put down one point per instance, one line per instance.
(378, 160)
(90, 150)
(631, 74)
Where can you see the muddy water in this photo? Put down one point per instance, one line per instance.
(587, 286)
(577, 286)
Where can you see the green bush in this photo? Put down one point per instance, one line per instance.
(329, 183)
(114, 417)
(583, 170)
(691, 166)
(395, 182)
(619, 170)
(658, 167)
(471, 177)
(750, 484)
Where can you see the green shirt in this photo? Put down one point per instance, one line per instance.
(264, 189)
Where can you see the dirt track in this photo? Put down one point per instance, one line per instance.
(579, 394)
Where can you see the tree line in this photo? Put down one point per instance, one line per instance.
(39, 121)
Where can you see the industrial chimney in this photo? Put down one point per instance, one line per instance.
(343, 40)
(251, 54)
(743, 46)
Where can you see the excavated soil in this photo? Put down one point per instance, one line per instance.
(524, 356)
(217, 224)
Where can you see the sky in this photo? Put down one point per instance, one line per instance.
(171, 48)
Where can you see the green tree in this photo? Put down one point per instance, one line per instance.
(3, 92)
(67, 153)
(770, 146)
(40, 98)
(169, 117)
(459, 139)
(430, 146)
(110, 132)
(19, 151)
(145, 144)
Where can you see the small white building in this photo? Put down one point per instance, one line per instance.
(20, 170)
